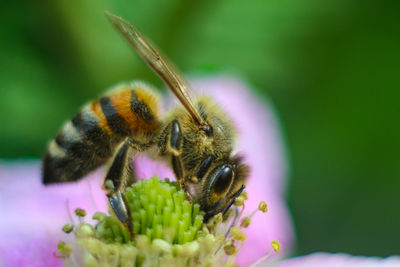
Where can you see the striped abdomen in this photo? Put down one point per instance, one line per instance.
(90, 138)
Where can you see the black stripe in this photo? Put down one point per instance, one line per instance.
(79, 148)
(94, 134)
(95, 140)
(77, 121)
(115, 121)
(141, 108)
(60, 140)
(83, 155)
(64, 143)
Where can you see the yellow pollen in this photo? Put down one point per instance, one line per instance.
(275, 245)
(237, 234)
(239, 201)
(245, 222)
(229, 248)
(263, 206)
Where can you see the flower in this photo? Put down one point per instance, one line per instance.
(33, 215)
(169, 231)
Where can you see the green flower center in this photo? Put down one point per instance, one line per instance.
(167, 231)
(158, 210)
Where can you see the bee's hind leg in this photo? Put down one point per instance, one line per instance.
(120, 175)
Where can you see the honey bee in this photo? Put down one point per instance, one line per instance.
(195, 138)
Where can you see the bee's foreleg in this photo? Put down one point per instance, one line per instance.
(120, 175)
(174, 146)
(176, 163)
(175, 139)
(175, 149)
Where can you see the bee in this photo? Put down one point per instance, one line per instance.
(195, 138)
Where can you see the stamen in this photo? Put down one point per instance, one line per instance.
(275, 247)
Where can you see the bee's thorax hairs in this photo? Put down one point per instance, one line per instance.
(196, 144)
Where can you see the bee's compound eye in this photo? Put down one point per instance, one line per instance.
(222, 180)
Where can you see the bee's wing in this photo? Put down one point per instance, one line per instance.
(165, 70)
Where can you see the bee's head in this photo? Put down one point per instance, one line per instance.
(221, 185)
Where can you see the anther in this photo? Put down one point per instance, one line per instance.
(99, 216)
(263, 206)
(68, 228)
(80, 212)
(275, 245)
(64, 248)
(229, 248)
(245, 222)
(239, 201)
(237, 234)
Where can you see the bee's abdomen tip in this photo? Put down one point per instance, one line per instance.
(48, 170)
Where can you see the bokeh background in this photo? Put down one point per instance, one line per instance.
(330, 68)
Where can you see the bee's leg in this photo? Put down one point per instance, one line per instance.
(176, 163)
(118, 177)
(174, 146)
(175, 139)
(202, 169)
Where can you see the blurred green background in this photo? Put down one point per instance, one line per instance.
(331, 68)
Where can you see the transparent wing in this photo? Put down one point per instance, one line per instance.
(164, 70)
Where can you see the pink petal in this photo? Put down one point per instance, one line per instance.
(32, 214)
(339, 260)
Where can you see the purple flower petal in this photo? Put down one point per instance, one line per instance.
(339, 260)
(32, 215)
